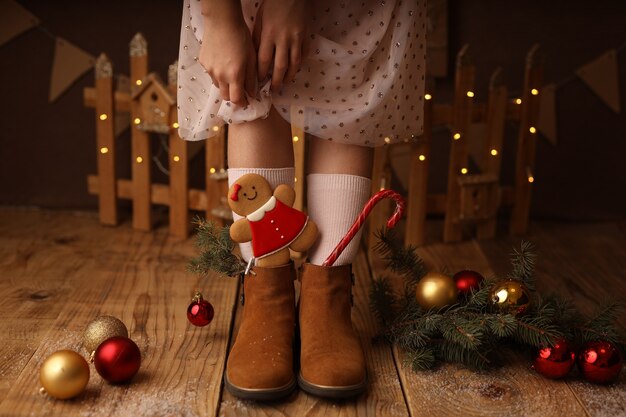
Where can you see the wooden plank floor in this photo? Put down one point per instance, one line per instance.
(59, 270)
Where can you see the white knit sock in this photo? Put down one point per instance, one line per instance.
(275, 176)
(334, 202)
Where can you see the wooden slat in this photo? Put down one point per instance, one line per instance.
(384, 396)
(105, 139)
(179, 183)
(451, 390)
(141, 279)
(526, 142)
(464, 82)
(215, 161)
(415, 233)
(299, 158)
(141, 155)
(381, 178)
(121, 99)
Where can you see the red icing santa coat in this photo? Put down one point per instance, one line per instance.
(274, 226)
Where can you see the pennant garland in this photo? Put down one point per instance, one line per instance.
(601, 76)
(69, 63)
(14, 20)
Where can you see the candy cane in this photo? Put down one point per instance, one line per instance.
(361, 219)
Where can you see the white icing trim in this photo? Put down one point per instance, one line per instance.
(259, 213)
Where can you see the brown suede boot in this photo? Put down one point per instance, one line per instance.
(332, 363)
(260, 363)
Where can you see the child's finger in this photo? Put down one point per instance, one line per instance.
(280, 66)
(266, 52)
(224, 91)
(236, 92)
(295, 60)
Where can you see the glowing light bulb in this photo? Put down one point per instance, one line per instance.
(531, 179)
(532, 130)
(457, 136)
(296, 138)
(138, 82)
(494, 152)
(463, 171)
(137, 120)
(534, 92)
(422, 157)
(470, 94)
(295, 180)
(428, 96)
(387, 139)
(103, 116)
(139, 159)
(216, 128)
(518, 101)
(104, 150)
(175, 125)
(212, 170)
(176, 158)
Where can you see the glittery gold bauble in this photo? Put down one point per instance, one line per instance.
(101, 329)
(510, 297)
(64, 374)
(436, 291)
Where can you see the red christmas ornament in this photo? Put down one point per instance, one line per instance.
(555, 361)
(117, 359)
(200, 311)
(467, 281)
(600, 362)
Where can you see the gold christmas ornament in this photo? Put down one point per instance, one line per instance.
(436, 291)
(64, 374)
(101, 329)
(510, 297)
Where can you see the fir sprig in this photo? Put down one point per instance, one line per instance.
(216, 250)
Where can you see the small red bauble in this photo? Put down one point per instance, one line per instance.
(117, 359)
(555, 361)
(467, 281)
(200, 311)
(600, 362)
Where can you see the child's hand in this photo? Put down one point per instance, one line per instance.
(280, 39)
(228, 55)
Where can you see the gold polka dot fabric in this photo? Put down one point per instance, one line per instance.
(361, 82)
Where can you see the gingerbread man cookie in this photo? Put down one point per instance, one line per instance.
(269, 220)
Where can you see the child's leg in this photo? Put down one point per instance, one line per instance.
(338, 185)
(263, 147)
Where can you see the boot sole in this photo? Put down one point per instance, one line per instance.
(260, 394)
(332, 391)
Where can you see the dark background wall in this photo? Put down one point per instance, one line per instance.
(47, 150)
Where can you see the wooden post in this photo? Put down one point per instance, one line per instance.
(533, 78)
(462, 112)
(215, 159)
(418, 182)
(140, 149)
(381, 179)
(496, 115)
(105, 139)
(299, 162)
(179, 169)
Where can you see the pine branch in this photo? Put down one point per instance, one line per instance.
(449, 352)
(523, 263)
(400, 259)
(421, 359)
(216, 250)
(382, 300)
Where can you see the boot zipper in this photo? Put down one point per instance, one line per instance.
(247, 271)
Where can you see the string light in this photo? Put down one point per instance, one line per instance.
(463, 171)
(103, 116)
(296, 138)
(137, 120)
(175, 125)
(529, 175)
(104, 150)
(470, 94)
(139, 159)
(531, 179)
(494, 152)
(422, 157)
(387, 139)
(457, 136)
(295, 180)
(138, 82)
(176, 158)
(532, 130)
(212, 170)
(534, 92)
(518, 101)
(216, 128)
(428, 96)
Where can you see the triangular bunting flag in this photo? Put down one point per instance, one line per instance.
(601, 76)
(546, 121)
(14, 19)
(69, 63)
